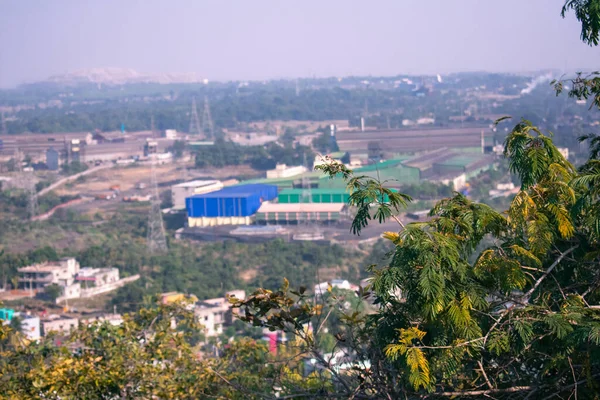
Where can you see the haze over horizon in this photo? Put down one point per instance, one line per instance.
(268, 39)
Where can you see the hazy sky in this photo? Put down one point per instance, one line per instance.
(256, 39)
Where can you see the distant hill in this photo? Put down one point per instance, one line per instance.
(119, 76)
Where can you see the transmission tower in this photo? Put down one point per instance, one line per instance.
(152, 127)
(32, 201)
(157, 241)
(4, 130)
(207, 124)
(194, 120)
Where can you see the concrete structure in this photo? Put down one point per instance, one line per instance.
(283, 171)
(289, 213)
(39, 276)
(184, 190)
(72, 291)
(52, 159)
(60, 324)
(170, 134)
(213, 314)
(107, 287)
(97, 276)
(30, 326)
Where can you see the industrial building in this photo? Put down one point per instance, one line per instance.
(233, 205)
(441, 165)
(184, 190)
(216, 313)
(316, 196)
(293, 213)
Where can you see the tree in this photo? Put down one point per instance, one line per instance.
(515, 319)
(145, 357)
(53, 291)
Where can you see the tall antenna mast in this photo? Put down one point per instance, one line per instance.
(157, 241)
(207, 124)
(194, 120)
(4, 130)
(152, 128)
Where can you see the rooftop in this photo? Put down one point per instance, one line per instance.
(49, 266)
(301, 207)
(196, 184)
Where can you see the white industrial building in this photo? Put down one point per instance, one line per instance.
(283, 171)
(183, 190)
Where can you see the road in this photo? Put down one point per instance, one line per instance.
(73, 177)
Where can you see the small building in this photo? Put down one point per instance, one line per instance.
(61, 324)
(293, 213)
(150, 147)
(52, 159)
(213, 314)
(97, 276)
(184, 190)
(39, 276)
(283, 171)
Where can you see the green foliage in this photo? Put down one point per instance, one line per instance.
(474, 297)
(53, 292)
(145, 357)
(588, 13)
